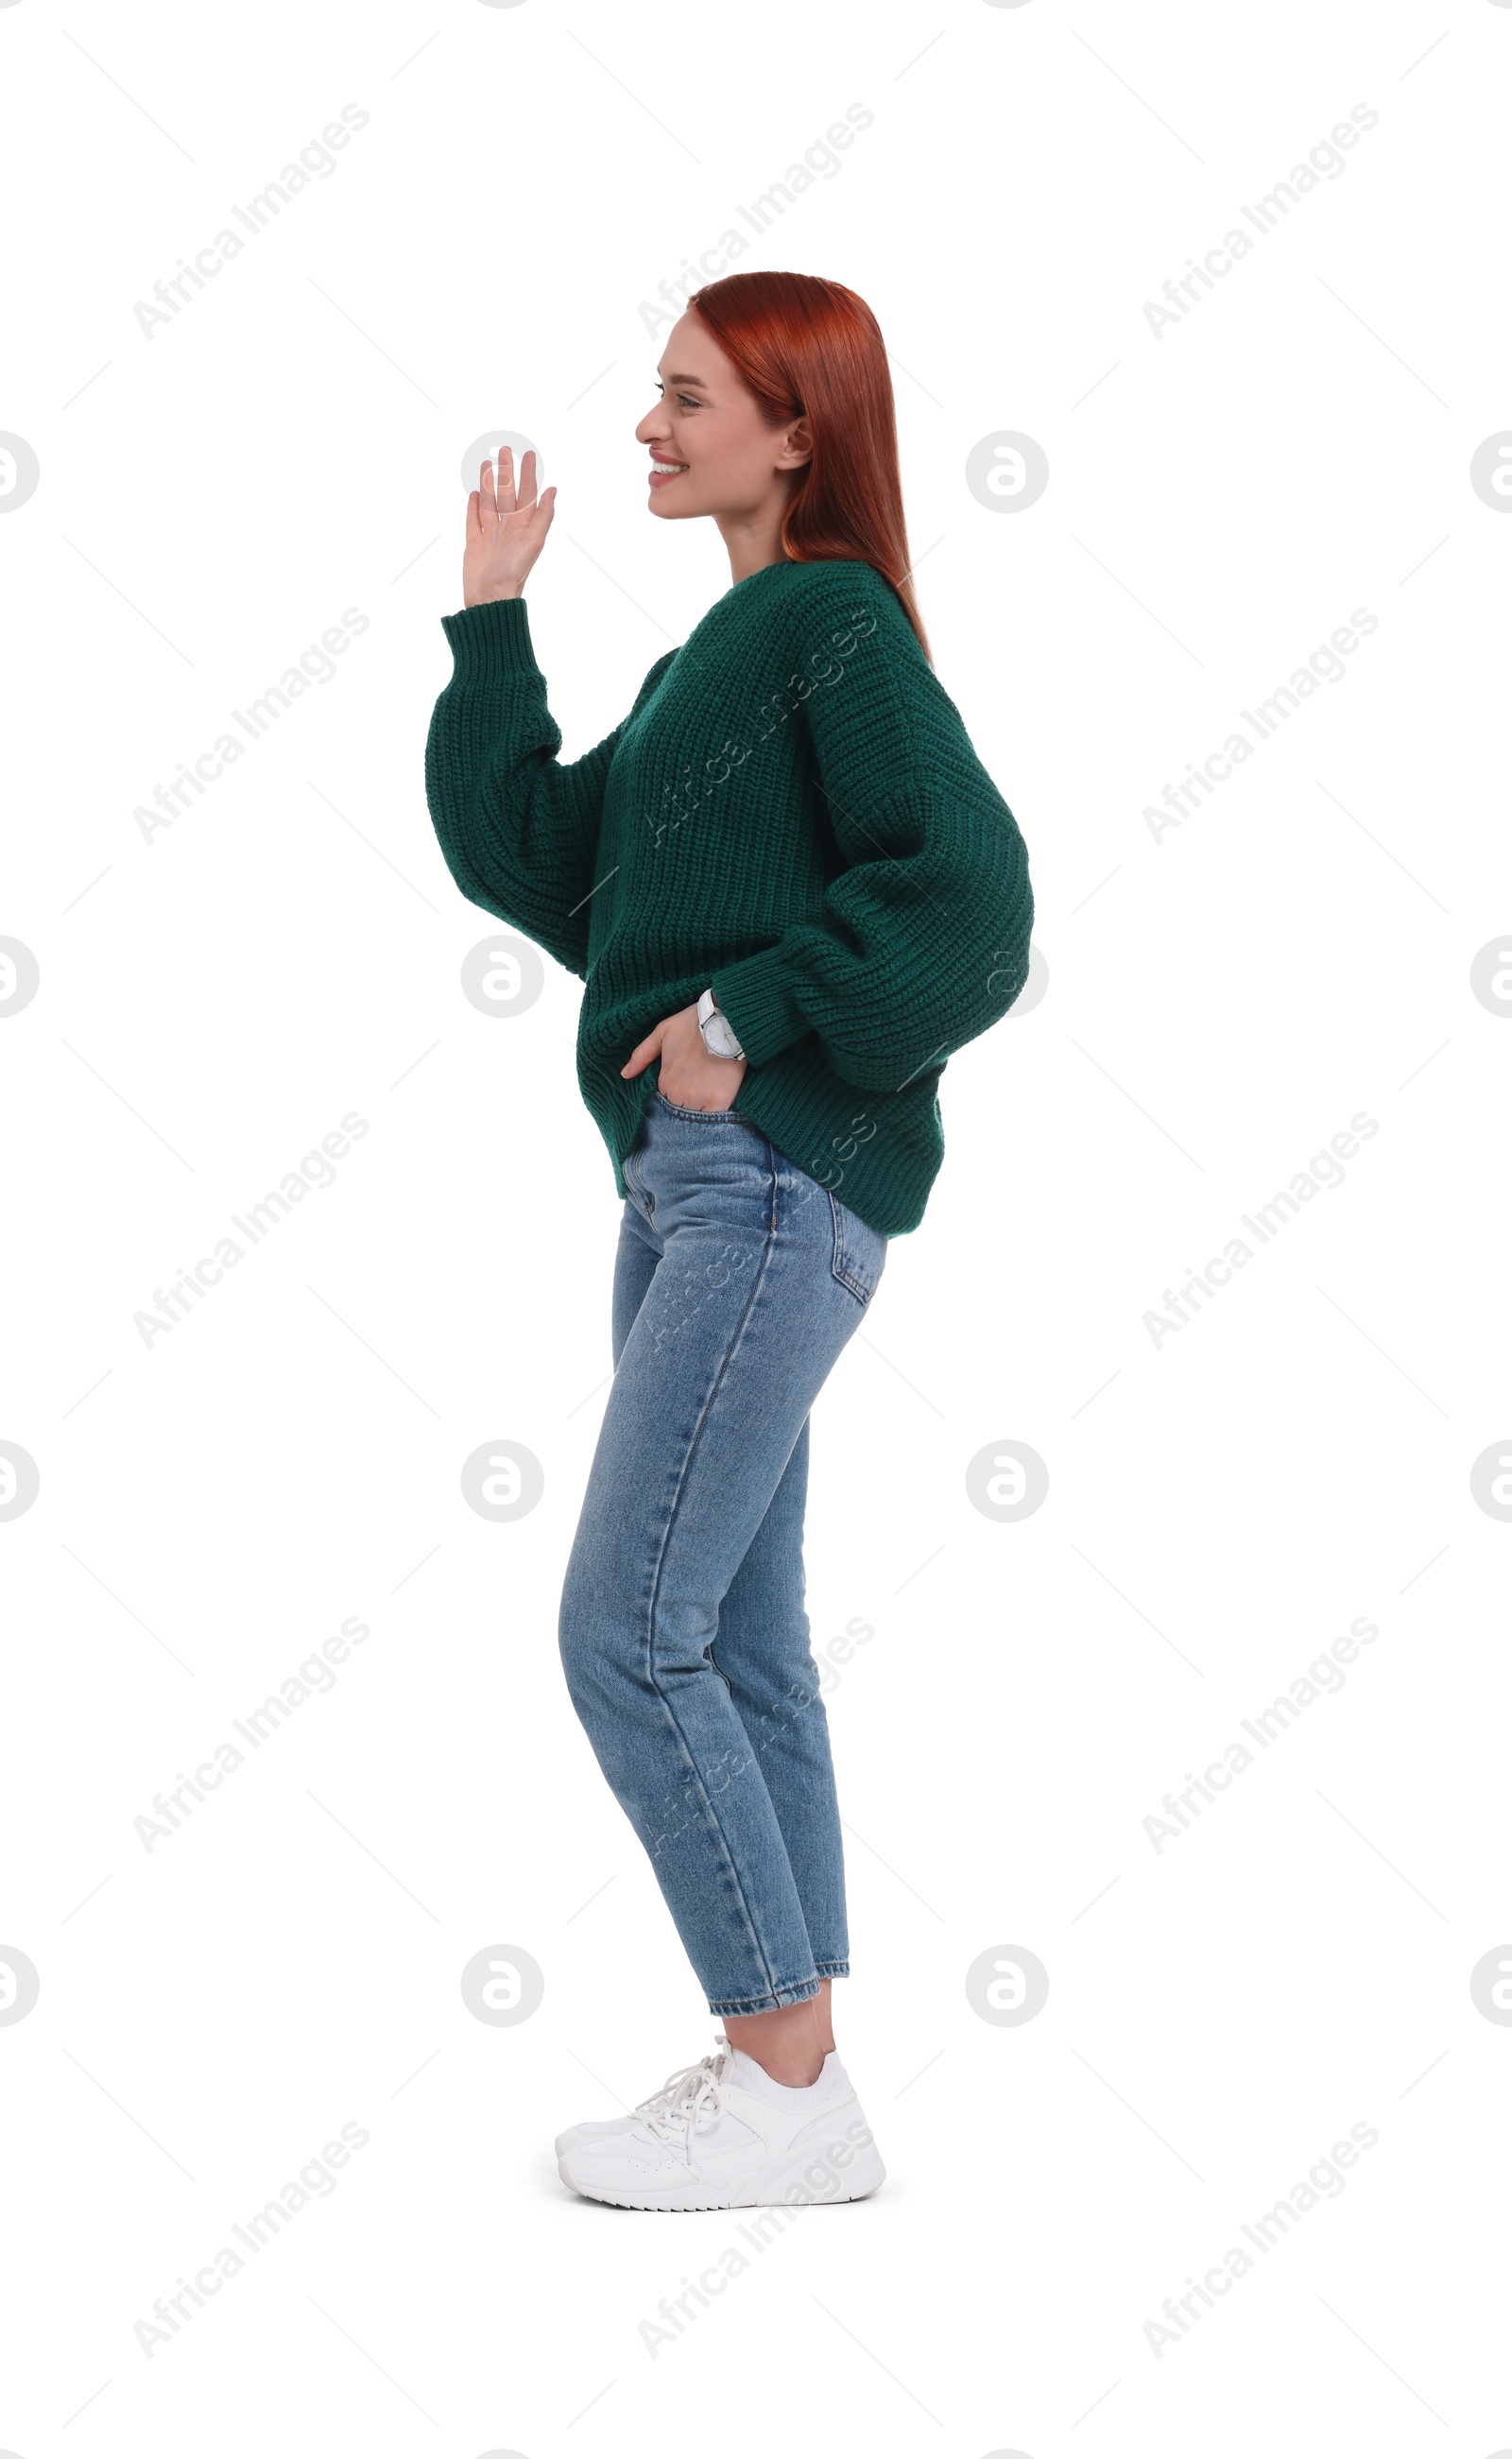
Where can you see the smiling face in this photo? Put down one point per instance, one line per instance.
(711, 451)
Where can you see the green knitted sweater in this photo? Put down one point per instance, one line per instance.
(791, 811)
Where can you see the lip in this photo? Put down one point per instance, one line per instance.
(664, 477)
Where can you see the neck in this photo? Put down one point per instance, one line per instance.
(751, 541)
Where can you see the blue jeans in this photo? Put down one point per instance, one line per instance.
(739, 1280)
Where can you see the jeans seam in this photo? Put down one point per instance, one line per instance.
(651, 1606)
(768, 2003)
(848, 1279)
(682, 1112)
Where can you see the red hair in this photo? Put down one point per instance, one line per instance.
(814, 349)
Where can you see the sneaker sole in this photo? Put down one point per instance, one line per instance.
(787, 2187)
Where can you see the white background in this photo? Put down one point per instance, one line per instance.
(1221, 1002)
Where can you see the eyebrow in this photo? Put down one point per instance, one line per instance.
(686, 379)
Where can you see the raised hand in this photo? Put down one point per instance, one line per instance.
(506, 530)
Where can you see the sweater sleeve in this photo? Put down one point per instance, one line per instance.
(518, 827)
(922, 940)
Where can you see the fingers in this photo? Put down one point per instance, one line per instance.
(644, 1051)
(496, 500)
(491, 503)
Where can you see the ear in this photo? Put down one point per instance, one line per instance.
(796, 448)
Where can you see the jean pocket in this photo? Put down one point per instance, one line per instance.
(679, 1112)
(860, 1251)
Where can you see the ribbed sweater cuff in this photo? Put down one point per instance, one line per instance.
(755, 996)
(493, 638)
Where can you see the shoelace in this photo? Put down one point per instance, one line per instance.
(689, 2100)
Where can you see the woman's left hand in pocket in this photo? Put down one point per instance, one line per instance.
(688, 1075)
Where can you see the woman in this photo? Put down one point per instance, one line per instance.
(791, 891)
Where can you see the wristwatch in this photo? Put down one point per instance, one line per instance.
(719, 1034)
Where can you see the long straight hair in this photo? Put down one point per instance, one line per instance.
(812, 350)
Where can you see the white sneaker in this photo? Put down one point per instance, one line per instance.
(723, 2134)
